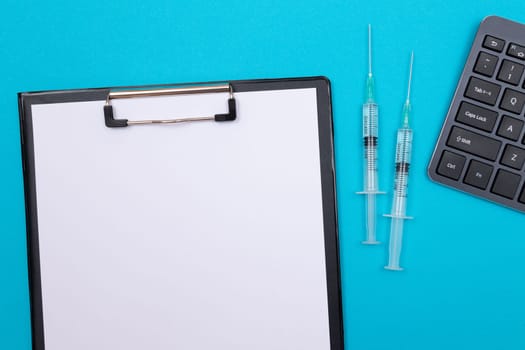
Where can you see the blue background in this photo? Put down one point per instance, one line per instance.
(464, 283)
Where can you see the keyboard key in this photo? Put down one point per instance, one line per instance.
(506, 184)
(510, 72)
(493, 43)
(486, 64)
(522, 196)
(473, 143)
(478, 117)
(510, 128)
(482, 91)
(478, 174)
(451, 165)
(513, 157)
(517, 51)
(512, 101)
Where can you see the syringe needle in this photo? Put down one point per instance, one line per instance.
(406, 107)
(369, 50)
(410, 76)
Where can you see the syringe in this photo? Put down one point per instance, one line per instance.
(403, 155)
(370, 139)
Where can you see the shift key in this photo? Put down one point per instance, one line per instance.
(473, 143)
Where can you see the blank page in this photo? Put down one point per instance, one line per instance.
(193, 236)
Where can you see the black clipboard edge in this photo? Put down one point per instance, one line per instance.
(327, 156)
(25, 101)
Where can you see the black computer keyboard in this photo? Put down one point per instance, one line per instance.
(481, 148)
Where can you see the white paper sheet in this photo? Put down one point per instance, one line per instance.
(189, 237)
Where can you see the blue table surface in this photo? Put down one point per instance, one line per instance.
(464, 283)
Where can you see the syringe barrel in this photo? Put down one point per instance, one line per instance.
(369, 119)
(403, 158)
(404, 146)
(370, 146)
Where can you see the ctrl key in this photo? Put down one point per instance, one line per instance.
(451, 165)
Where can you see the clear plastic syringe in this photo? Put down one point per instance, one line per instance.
(370, 139)
(403, 155)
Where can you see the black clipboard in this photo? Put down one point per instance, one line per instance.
(28, 101)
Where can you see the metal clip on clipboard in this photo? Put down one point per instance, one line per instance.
(111, 122)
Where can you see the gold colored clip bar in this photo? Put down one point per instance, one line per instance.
(112, 122)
